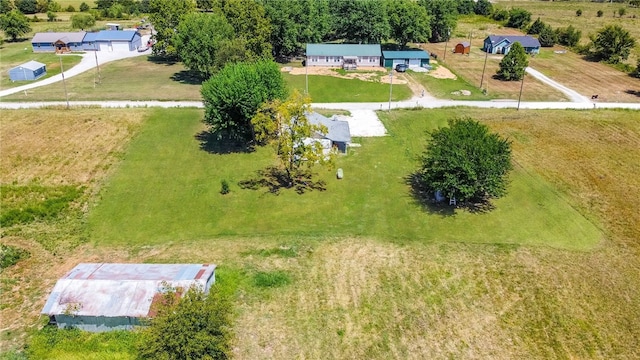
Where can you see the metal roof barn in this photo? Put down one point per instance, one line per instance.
(31, 70)
(103, 297)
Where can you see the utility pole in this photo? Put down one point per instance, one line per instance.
(97, 66)
(521, 86)
(486, 54)
(306, 75)
(444, 58)
(66, 95)
(390, 86)
(470, 37)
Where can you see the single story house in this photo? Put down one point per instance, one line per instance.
(112, 40)
(338, 132)
(31, 70)
(501, 44)
(348, 56)
(100, 297)
(58, 42)
(413, 58)
(462, 48)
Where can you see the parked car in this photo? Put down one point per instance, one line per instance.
(402, 67)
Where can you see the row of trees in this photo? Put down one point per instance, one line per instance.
(281, 28)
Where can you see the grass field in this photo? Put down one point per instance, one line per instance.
(359, 296)
(373, 200)
(326, 89)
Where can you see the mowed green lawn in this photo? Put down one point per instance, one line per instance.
(326, 89)
(166, 190)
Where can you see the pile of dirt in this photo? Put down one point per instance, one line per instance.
(442, 72)
(370, 73)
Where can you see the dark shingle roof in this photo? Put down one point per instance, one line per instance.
(525, 41)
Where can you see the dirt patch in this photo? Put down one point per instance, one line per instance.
(442, 72)
(57, 146)
(374, 74)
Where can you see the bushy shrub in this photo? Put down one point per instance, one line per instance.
(10, 255)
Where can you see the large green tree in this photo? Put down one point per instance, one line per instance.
(547, 36)
(443, 18)
(6, 6)
(165, 16)
(284, 124)
(409, 22)
(536, 27)
(518, 18)
(568, 36)
(483, 7)
(513, 65)
(201, 39)
(14, 24)
(82, 21)
(250, 23)
(194, 326)
(612, 44)
(233, 96)
(360, 21)
(27, 6)
(466, 161)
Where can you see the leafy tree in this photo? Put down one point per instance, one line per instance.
(536, 27)
(196, 326)
(51, 16)
(568, 36)
(579, 12)
(622, 12)
(116, 11)
(249, 22)
(636, 72)
(483, 7)
(465, 7)
(612, 44)
(360, 21)
(466, 161)
(284, 124)
(165, 16)
(547, 37)
(233, 96)
(205, 5)
(198, 39)
(70, 8)
(518, 18)
(27, 6)
(599, 13)
(6, 6)
(500, 15)
(409, 22)
(513, 64)
(14, 24)
(84, 7)
(82, 21)
(443, 18)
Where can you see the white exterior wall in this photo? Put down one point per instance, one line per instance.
(338, 61)
(414, 62)
(120, 46)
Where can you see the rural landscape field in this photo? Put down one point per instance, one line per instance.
(362, 267)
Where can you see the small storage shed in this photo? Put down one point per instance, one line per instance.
(112, 40)
(337, 130)
(413, 58)
(58, 42)
(100, 297)
(462, 48)
(31, 70)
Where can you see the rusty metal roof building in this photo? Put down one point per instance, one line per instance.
(102, 297)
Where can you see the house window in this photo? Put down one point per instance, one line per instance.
(372, 59)
(336, 59)
(314, 59)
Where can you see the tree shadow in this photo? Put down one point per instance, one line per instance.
(633, 92)
(162, 60)
(187, 77)
(274, 179)
(425, 197)
(218, 143)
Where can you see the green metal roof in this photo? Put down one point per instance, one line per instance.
(413, 54)
(343, 50)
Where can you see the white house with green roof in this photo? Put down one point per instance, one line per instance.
(348, 56)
